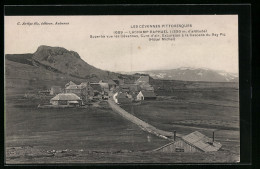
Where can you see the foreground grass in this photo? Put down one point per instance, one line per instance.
(91, 129)
(30, 155)
(99, 135)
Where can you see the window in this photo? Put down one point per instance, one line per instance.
(178, 149)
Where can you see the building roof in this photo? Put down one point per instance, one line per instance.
(149, 88)
(70, 83)
(197, 140)
(132, 87)
(110, 82)
(96, 86)
(73, 101)
(104, 85)
(166, 145)
(66, 96)
(201, 142)
(116, 90)
(148, 94)
(143, 79)
(85, 83)
(146, 87)
(76, 87)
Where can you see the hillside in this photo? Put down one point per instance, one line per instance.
(193, 74)
(68, 62)
(51, 66)
(61, 60)
(20, 58)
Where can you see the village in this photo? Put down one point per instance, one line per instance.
(120, 92)
(75, 95)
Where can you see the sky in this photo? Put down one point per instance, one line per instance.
(130, 54)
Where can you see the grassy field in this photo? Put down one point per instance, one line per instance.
(31, 132)
(90, 157)
(99, 135)
(204, 110)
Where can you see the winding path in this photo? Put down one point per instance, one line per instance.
(143, 125)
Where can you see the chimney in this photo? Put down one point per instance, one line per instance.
(174, 136)
(213, 137)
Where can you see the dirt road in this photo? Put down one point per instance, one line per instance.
(143, 125)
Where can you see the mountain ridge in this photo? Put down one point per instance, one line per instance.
(68, 62)
(192, 74)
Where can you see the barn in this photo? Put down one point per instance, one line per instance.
(66, 99)
(193, 142)
(146, 95)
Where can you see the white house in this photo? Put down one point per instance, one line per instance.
(146, 95)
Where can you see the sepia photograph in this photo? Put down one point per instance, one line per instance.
(91, 89)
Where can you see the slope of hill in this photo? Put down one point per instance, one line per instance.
(20, 58)
(21, 78)
(68, 62)
(193, 74)
(51, 66)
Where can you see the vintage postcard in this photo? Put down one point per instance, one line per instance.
(121, 89)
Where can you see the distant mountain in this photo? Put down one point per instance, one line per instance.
(193, 74)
